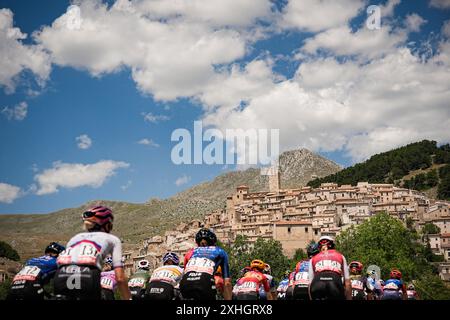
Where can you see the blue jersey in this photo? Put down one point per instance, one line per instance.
(283, 285)
(393, 284)
(212, 253)
(47, 264)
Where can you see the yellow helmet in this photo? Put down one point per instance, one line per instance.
(219, 270)
(258, 264)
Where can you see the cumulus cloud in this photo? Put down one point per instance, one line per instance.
(148, 142)
(16, 57)
(18, 112)
(84, 142)
(314, 16)
(171, 47)
(182, 180)
(9, 193)
(441, 4)
(75, 175)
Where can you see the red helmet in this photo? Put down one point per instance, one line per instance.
(356, 265)
(396, 274)
(99, 215)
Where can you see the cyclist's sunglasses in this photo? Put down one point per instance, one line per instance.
(88, 214)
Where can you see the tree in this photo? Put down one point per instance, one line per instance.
(384, 241)
(271, 252)
(4, 288)
(8, 252)
(431, 287)
(430, 228)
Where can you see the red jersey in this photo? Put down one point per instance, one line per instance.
(329, 261)
(251, 282)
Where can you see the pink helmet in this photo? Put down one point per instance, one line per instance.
(99, 215)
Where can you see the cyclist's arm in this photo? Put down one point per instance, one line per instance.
(347, 284)
(404, 293)
(122, 283)
(266, 285)
(227, 286)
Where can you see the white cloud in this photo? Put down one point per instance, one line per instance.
(18, 112)
(150, 117)
(171, 47)
(360, 108)
(74, 175)
(84, 142)
(441, 4)
(17, 57)
(9, 193)
(313, 15)
(182, 180)
(414, 22)
(148, 142)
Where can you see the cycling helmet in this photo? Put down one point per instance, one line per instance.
(218, 271)
(99, 215)
(355, 266)
(411, 287)
(267, 269)
(144, 264)
(328, 241)
(171, 256)
(54, 247)
(371, 273)
(108, 260)
(207, 235)
(286, 274)
(396, 274)
(258, 264)
(312, 250)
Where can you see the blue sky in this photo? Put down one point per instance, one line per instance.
(316, 73)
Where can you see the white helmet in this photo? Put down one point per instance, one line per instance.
(329, 241)
(144, 264)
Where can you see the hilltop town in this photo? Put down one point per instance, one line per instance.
(296, 216)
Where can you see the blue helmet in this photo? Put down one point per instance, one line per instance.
(54, 247)
(172, 256)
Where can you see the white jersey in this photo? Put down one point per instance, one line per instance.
(170, 274)
(90, 249)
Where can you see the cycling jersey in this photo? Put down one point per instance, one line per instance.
(359, 287)
(327, 270)
(138, 284)
(272, 285)
(90, 249)
(108, 283)
(201, 264)
(282, 289)
(79, 266)
(393, 289)
(163, 282)
(29, 282)
(248, 287)
(301, 276)
(412, 294)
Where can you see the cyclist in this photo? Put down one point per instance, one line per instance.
(80, 265)
(200, 264)
(358, 281)
(163, 284)
(394, 288)
(301, 279)
(219, 283)
(273, 290)
(29, 283)
(108, 280)
(283, 287)
(248, 286)
(236, 285)
(138, 281)
(326, 269)
(412, 293)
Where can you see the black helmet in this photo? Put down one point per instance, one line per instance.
(312, 249)
(206, 234)
(54, 247)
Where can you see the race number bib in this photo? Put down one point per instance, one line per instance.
(107, 283)
(83, 253)
(164, 275)
(248, 286)
(28, 273)
(136, 282)
(202, 265)
(301, 278)
(357, 285)
(391, 286)
(328, 265)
